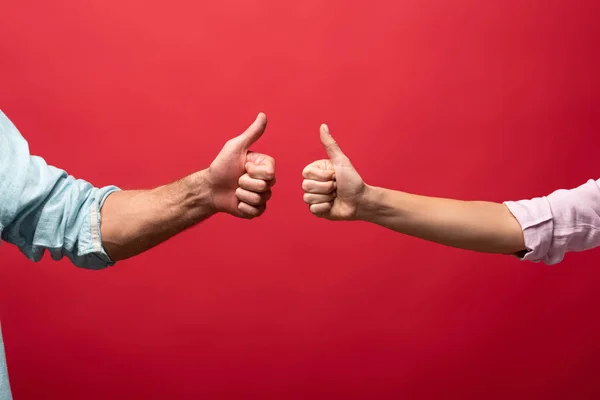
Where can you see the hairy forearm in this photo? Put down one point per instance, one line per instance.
(135, 221)
(473, 225)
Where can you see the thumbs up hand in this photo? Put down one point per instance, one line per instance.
(240, 180)
(332, 187)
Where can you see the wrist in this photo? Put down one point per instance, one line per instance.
(197, 195)
(367, 203)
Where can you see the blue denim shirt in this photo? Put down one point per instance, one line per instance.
(43, 208)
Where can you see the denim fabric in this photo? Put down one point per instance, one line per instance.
(43, 208)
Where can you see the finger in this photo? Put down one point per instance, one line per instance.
(311, 198)
(263, 171)
(331, 147)
(253, 133)
(320, 209)
(317, 174)
(259, 158)
(252, 198)
(310, 186)
(253, 185)
(249, 211)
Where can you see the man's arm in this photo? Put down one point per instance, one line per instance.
(541, 229)
(43, 208)
(238, 182)
(137, 220)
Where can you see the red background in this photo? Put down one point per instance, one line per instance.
(469, 99)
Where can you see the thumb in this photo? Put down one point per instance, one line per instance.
(331, 147)
(254, 131)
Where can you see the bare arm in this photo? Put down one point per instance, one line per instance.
(238, 182)
(135, 221)
(42, 208)
(334, 190)
(473, 225)
(540, 229)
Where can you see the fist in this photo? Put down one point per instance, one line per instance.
(332, 187)
(240, 180)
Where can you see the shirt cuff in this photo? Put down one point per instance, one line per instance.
(535, 218)
(91, 253)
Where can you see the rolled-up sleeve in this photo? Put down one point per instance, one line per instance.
(564, 221)
(44, 208)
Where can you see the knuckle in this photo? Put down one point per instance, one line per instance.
(269, 174)
(252, 199)
(250, 168)
(331, 145)
(306, 171)
(306, 185)
(262, 186)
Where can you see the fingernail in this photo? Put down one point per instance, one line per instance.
(326, 128)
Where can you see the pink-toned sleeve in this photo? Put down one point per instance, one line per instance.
(566, 220)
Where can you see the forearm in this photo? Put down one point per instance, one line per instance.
(135, 221)
(473, 225)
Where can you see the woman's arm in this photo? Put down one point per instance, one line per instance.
(472, 225)
(541, 229)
